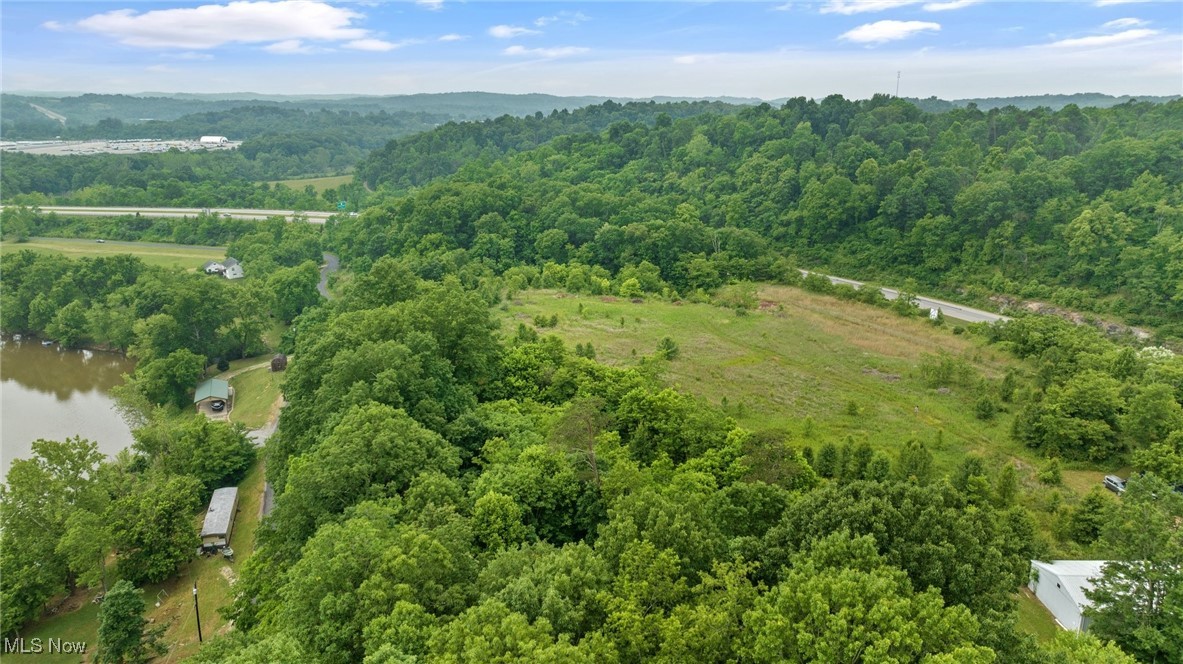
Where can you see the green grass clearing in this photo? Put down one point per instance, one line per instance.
(255, 394)
(186, 257)
(800, 355)
(78, 619)
(321, 185)
(214, 575)
(1034, 618)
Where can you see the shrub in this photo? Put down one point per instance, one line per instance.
(1051, 473)
(667, 349)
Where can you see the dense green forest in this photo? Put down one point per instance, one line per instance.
(1082, 207)
(175, 179)
(448, 491)
(85, 110)
(419, 159)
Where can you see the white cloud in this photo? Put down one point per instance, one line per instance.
(1124, 23)
(1110, 3)
(53, 25)
(191, 55)
(431, 5)
(848, 7)
(289, 47)
(452, 37)
(1105, 40)
(951, 4)
(1149, 67)
(884, 31)
(209, 26)
(557, 52)
(375, 45)
(570, 18)
(511, 31)
(693, 59)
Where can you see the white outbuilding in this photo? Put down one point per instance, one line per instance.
(213, 141)
(1060, 586)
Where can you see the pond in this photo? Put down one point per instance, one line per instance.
(54, 394)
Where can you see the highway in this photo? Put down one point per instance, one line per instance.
(225, 213)
(949, 309)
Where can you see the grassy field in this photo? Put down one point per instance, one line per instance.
(319, 184)
(74, 625)
(1034, 618)
(214, 575)
(255, 394)
(853, 369)
(188, 257)
(78, 620)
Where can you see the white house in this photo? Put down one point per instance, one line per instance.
(1060, 585)
(233, 269)
(213, 140)
(213, 267)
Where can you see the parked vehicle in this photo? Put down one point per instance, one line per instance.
(217, 405)
(1114, 484)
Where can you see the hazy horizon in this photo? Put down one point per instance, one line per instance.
(951, 49)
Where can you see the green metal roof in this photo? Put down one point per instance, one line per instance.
(212, 389)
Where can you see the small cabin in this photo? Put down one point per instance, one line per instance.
(279, 362)
(219, 518)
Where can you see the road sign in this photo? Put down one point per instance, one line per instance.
(341, 205)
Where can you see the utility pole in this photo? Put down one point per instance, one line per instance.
(197, 610)
(897, 84)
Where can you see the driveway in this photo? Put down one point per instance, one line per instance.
(332, 264)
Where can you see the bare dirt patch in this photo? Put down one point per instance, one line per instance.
(889, 377)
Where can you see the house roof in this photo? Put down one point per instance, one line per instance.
(211, 389)
(209, 264)
(221, 511)
(1075, 576)
(230, 262)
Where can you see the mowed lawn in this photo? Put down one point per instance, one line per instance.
(255, 394)
(215, 579)
(799, 356)
(184, 256)
(321, 185)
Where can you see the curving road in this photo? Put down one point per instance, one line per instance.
(226, 213)
(949, 309)
(331, 265)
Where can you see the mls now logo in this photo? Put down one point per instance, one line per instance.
(36, 646)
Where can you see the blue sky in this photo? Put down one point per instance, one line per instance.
(947, 48)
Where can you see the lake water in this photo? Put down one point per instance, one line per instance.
(52, 394)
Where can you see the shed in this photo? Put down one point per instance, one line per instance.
(1060, 585)
(219, 518)
(213, 267)
(210, 390)
(213, 140)
(279, 362)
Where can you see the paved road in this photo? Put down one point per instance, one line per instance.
(332, 264)
(229, 213)
(949, 309)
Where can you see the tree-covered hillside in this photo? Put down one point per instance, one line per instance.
(1082, 207)
(418, 159)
